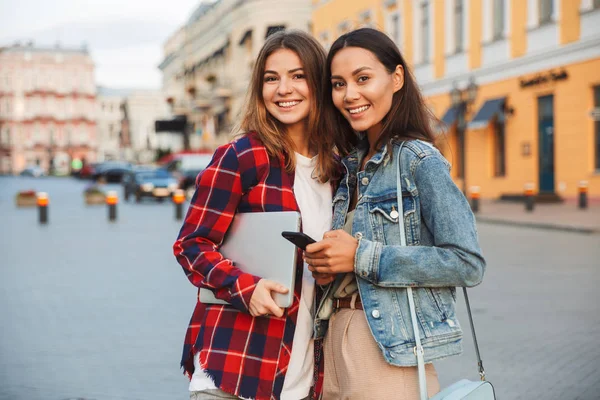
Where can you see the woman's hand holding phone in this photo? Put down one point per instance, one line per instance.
(332, 255)
(262, 303)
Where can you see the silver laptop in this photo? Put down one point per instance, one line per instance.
(254, 244)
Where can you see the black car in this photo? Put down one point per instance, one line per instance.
(111, 171)
(155, 183)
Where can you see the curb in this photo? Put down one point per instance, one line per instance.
(538, 225)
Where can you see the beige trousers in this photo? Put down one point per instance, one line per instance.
(355, 368)
(216, 394)
(211, 394)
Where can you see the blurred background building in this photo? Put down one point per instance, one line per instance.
(109, 117)
(47, 107)
(141, 108)
(208, 61)
(516, 84)
(126, 125)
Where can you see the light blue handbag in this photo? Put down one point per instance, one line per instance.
(463, 389)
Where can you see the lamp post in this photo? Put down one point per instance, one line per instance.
(51, 154)
(462, 100)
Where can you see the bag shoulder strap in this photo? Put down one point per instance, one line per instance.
(418, 350)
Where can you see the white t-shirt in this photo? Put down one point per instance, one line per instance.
(314, 200)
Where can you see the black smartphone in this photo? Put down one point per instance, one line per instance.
(300, 239)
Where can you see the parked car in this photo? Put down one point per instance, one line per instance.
(186, 167)
(111, 171)
(87, 171)
(157, 184)
(128, 180)
(33, 170)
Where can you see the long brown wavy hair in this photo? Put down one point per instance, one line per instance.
(409, 118)
(324, 138)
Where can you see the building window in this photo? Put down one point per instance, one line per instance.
(344, 27)
(324, 38)
(597, 125)
(546, 11)
(459, 26)
(498, 15)
(366, 19)
(36, 134)
(272, 29)
(499, 149)
(395, 28)
(6, 137)
(425, 31)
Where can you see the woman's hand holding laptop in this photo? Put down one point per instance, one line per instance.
(262, 303)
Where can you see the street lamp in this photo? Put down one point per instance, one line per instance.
(462, 99)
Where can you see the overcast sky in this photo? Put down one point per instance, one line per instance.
(125, 37)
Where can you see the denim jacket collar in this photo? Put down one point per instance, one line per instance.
(354, 159)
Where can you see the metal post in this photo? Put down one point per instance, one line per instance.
(42, 203)
(178, 199)
(475, 199)
(462, 134)
(583, 200)
(529, 198)
(112, 200)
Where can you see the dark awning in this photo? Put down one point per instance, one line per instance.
(176, 124)
(247, 35)
(488, 110)
(451, 115)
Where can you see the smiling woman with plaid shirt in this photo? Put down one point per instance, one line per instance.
(251, 348)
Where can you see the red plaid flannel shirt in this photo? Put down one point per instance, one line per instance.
(245, 356)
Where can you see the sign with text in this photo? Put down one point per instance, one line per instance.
(542, 78)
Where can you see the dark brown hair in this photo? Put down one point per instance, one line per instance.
(408, 117)
(271, 131)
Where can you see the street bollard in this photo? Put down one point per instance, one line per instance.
(529, 198)
(583, 189)
(475, 199)
(178, 199)
(112, 200)
(42, 203)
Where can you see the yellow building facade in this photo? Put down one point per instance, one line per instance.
(535, 69)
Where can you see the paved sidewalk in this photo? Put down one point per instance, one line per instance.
(562, 216)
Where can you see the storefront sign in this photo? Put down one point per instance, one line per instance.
(544, 78)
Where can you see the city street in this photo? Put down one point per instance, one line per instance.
(98, 310)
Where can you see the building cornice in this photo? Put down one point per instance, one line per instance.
(54, 93)
(558, 57)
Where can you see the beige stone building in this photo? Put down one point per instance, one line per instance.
(47, 108)
(208, 61)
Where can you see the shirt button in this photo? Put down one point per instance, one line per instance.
(375, 313)
(365, 181)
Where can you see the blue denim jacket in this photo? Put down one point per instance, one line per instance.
(442, 249)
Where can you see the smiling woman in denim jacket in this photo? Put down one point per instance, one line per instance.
(368, 349)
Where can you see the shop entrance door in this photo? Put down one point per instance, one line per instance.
(546, 143)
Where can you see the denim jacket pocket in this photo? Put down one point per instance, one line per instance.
(384, 218)
(429, 311)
